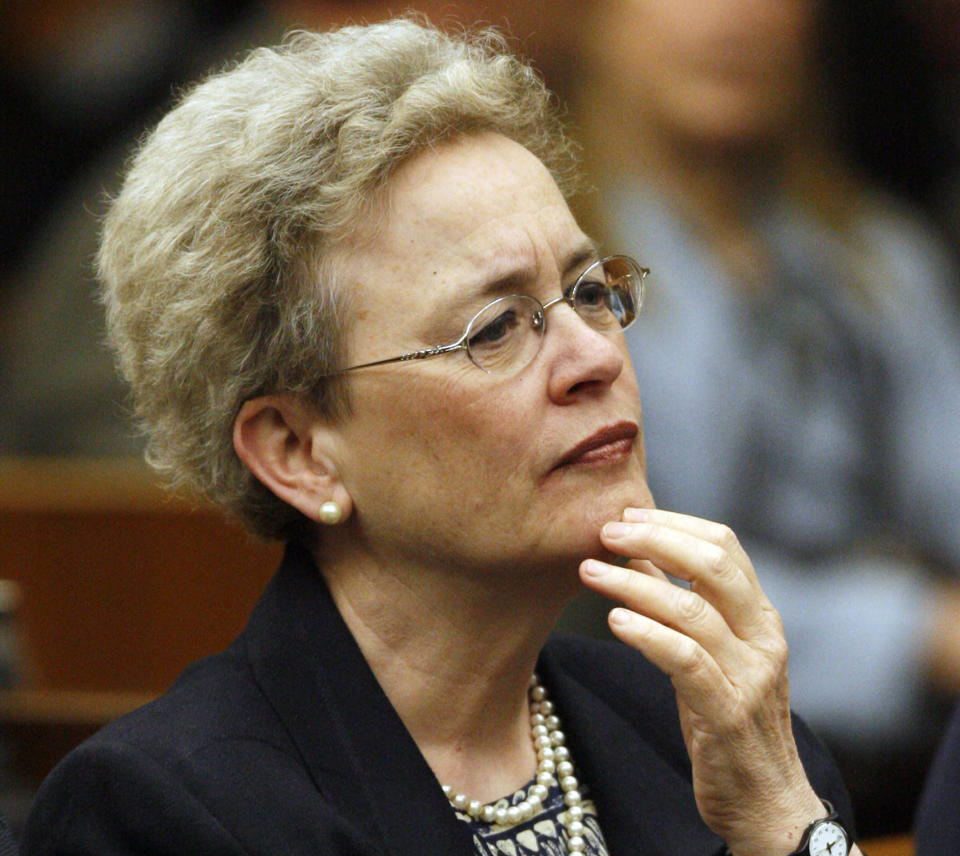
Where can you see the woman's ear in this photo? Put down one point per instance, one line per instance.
(281, 440)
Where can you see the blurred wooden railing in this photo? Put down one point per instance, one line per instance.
(121, 587)
(895, 845)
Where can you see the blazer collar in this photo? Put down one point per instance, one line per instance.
(356, 748)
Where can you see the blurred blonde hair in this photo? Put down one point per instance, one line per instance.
(217, 258)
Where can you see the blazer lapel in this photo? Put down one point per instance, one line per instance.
(358, 752)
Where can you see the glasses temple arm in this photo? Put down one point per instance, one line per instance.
(413, 355)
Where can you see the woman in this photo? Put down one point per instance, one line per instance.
(296, 230)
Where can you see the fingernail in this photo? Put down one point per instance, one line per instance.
(615, 530)
(595, 569)
(636, 515)
(619, 616)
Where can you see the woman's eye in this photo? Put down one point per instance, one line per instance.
(591, 293)
(495, 330)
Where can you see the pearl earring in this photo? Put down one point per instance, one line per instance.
(330, 512)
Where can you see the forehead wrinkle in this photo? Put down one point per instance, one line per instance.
(512, 261)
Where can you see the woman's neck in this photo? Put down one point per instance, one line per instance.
(454, 653)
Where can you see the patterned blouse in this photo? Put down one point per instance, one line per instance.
(541, 835)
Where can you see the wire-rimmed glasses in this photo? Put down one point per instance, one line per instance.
(506, 334)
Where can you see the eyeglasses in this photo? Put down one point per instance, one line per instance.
(506, 335)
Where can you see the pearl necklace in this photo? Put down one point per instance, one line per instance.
(553, 765)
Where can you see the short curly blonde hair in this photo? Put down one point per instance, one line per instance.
(216, 257)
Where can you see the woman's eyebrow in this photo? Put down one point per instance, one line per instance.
(516, 281)
(586, 252)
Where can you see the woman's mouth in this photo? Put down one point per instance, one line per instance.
(610, 444)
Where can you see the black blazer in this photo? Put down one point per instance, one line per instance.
(286, 744)
(937, 828)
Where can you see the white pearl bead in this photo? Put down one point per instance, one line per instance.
(474, 808)
(447, 790)
(538, 694)
(564, 768)
(557, 738)
(561, 753)
(489, 814)
(538, 790)
(576, 844)
(460, 801)
(546, 706)
(545, 779)
(539, 719)
(552, 722)
(540, 731)
(547, 766)
(569, 783)
(542, 742)
(534, 802)
(575, 812)
(546, 753)
(513, 815)
(501, 816)
(524, 809)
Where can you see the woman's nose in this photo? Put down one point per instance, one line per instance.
(582, 359)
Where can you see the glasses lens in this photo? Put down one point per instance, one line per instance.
(609, 293)
(505, 335)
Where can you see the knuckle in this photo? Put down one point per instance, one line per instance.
(776, 622)
(690, 606)
(779, 652)
(720, 565)
(628, 581)
(690, 656)
(727, 539)
(653, 537)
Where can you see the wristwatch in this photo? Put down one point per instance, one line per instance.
(825, 837)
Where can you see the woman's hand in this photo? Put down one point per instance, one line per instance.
(722, 644)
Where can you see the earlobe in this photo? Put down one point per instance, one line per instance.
(278, 438)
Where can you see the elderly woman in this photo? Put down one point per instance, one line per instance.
(357, 313)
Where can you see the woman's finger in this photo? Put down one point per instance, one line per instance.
(670, 605)
(706, 555)
(696, 676)
(700, 527)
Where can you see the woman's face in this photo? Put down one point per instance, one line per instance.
(712, 70)
(445, 463)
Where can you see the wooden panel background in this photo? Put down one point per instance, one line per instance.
(122, 584)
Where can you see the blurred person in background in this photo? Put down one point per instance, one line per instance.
(800, 364)
(81, 80)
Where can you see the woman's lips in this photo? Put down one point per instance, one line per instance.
(609, 451)
(611, 443)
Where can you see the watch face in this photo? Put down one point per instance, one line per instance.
(827, 839)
